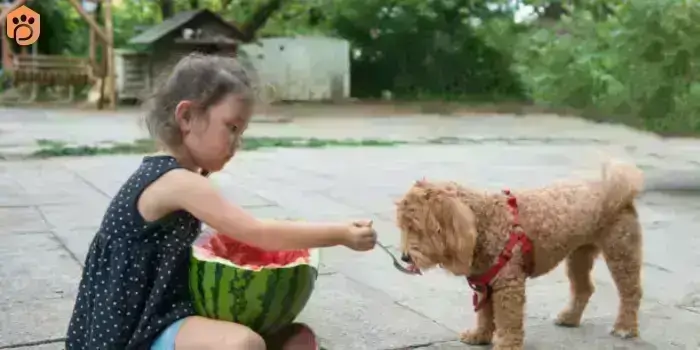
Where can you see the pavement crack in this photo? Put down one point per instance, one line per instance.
(396, 302)
(85, 181)
(33, 343)
(57, 238)
(657, 267)
(422, 345)
(689, 309)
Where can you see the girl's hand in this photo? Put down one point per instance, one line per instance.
(361, 236)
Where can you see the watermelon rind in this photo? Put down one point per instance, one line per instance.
(263, 299)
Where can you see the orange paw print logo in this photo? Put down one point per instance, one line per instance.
(23, 25)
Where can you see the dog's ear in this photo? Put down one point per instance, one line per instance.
(457, 232)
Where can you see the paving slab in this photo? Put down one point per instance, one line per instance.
(237, 193)
(74, 215)
(21, 219)
(33, 321)
(311, 206)
(76, 240)
(368, 319)
(105, 174)
(48, 182)
(36, 267)
(59, 345)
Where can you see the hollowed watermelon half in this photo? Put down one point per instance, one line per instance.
(263, 290)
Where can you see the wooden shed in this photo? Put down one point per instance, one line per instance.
(157, 49)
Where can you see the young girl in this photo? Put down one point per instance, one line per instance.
(134, 290)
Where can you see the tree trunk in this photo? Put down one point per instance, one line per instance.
(166, 8)
(554, 10)
(259, 18)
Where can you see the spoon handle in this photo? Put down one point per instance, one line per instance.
(397, 264)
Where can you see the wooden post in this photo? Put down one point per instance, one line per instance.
(111, 79)
(6, 47)
(90, 21)
(93, 57)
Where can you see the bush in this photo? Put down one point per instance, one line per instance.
(640, 66)
(424, 50)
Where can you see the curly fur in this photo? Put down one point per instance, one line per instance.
(463, 230)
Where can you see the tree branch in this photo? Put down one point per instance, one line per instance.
(259, 18)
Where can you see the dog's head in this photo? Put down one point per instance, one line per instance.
(437, 228)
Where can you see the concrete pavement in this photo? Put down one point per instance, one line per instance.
(50, 209)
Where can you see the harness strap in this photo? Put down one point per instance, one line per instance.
(482, 283)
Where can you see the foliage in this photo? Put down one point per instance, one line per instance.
(423, 48)
(641, 64)
(132, 17)
(62, 29)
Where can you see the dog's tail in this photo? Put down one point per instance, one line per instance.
(621, 184)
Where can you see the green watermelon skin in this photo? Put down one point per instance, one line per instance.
(264, 300)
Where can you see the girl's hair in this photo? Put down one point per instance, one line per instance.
(203, 79)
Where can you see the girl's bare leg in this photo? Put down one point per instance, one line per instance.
(206, 334)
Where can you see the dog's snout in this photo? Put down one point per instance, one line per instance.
(405, 258)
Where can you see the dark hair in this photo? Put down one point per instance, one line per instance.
(203, 79)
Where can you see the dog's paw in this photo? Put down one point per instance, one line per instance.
(508, 347)
(624, 333)
(567, 319)
(476, 337)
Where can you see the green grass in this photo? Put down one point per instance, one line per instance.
(55, 148)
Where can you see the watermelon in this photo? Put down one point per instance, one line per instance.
(263, 290)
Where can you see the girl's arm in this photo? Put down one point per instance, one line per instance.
(180, 189)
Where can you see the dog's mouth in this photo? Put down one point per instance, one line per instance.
(410, 265)
(414, 269)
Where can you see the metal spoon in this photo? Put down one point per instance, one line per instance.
(397, 264)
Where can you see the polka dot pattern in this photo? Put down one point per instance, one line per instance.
(135, 280)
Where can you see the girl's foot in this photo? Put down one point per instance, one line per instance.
(296, 336)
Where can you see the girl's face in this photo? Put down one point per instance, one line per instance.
(212, 140)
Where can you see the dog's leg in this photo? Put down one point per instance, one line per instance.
(578, 267)
(622, 249)
(483, 333)
(508, 312)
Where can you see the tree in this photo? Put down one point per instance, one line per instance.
(637, 66)
(167, 8)
(258, 18)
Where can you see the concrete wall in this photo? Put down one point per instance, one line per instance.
(301, 68)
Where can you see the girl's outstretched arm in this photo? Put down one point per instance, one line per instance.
(181, 189)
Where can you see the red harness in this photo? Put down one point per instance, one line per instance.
(482, 283)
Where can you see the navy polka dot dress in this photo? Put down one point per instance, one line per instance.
(134, 283)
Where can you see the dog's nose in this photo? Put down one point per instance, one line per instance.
(405, 258)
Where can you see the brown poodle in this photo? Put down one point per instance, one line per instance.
(497, 240)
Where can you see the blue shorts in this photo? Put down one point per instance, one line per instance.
(166, 339)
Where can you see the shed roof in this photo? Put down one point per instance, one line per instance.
(177, 21)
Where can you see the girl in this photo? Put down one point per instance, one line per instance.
(134, 290)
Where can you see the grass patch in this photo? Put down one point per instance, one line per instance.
(55, 148)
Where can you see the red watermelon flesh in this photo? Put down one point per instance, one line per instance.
(247, 256)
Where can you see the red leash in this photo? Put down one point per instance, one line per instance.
(482, 283)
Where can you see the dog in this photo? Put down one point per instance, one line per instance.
(498, 240)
